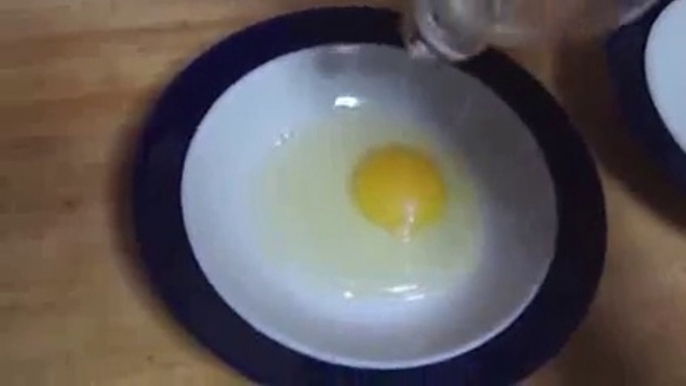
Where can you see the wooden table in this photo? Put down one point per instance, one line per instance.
(76, 77)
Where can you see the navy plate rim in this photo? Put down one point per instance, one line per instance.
(537, 334)
(625, 50)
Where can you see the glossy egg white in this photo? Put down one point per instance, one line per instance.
(311, 227)
(504, 236)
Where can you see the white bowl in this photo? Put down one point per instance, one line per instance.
(515, 192)
(665, 64)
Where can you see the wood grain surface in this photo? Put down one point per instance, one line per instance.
(76, 76)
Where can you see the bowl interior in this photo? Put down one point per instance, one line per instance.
(665, 60)
(515, 195)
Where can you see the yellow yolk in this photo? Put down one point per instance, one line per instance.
(399, 189)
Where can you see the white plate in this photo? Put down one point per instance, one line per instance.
(515, 191)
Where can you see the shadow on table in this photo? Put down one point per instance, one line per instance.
(122, 205)
(122, 214)
(585, 91)
(588, 360)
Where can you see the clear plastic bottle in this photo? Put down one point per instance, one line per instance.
(458, 29)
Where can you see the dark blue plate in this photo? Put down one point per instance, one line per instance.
(536, 336)
(626, 59)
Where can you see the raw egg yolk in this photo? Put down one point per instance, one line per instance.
(399, 189)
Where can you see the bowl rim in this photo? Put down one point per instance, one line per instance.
(535, 336)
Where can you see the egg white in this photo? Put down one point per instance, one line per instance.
(310, 227)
